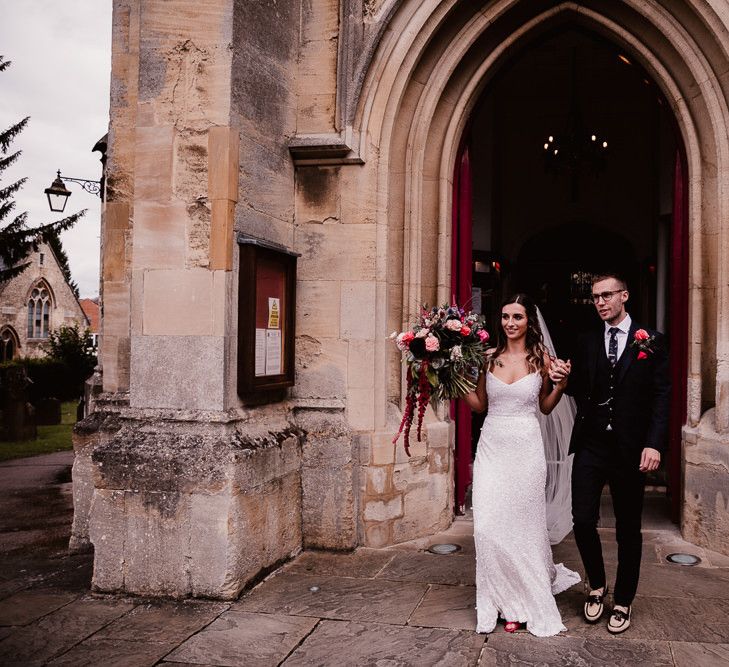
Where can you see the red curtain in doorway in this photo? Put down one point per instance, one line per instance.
(678, 329)
(461, 282)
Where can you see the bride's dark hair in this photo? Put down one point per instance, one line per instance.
(534, 343)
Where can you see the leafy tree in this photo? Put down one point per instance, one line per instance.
(17, 240)
(74, 347)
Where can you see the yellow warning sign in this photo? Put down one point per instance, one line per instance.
(274, 313)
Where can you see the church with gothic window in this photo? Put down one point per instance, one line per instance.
(34, 303)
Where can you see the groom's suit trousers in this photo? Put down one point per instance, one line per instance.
(602, 461)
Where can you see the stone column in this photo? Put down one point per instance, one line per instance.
(180, 490)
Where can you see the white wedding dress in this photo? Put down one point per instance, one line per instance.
(516, 578)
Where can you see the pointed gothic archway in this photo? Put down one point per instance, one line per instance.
(547, 229)
(431, 63)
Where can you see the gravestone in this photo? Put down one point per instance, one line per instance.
(18, 415)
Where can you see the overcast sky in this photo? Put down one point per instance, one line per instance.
(61, 55)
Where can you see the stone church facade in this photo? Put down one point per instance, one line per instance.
(34, 303)
(331, 129)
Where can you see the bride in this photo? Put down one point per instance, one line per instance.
(515, 575)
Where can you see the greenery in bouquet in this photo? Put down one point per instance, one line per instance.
(443, 352)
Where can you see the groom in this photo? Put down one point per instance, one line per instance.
(621, 387)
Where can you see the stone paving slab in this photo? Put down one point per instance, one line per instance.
(28, 606)
(244, 638)
(337, 598)
(163, 622)
(337, 643)
(460, 533)
(54, 634)
(395, 606)
(95, 652)
(454, 569)
(659, 619)
(452, 607)
(669, 544)
(566, 551)
(363, 563)
(676, 581)
(690, 654)
(505, 650)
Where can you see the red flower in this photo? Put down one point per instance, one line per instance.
(465, 330)
(407, 337)
(642, 355)
(641, 334)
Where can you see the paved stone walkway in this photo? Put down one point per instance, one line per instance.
(399, 606)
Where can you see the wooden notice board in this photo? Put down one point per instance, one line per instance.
(266, 327)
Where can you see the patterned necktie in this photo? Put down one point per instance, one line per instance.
(613, 346)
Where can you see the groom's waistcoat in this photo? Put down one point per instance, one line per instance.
(604, 392)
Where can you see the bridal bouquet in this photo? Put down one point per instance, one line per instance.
(443, 351)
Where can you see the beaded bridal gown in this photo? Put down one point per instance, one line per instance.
(516, 578)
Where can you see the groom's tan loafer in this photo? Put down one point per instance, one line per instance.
(595, 605)
(619, 621)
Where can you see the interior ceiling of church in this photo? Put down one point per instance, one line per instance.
(530, 100)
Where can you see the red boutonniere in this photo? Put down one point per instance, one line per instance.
(644, 342)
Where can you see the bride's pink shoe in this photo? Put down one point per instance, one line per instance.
(512, 626)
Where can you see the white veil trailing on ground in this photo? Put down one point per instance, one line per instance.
(556, 431)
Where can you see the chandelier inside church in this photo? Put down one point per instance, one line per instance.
(577, 149)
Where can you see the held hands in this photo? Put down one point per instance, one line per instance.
(650, 459)
(559, 372)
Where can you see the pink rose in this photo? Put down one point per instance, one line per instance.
(432, 344)
(403, 340)
(641, 334)
(642, 355)
(465, 330)
(454, 325)
(483, 335)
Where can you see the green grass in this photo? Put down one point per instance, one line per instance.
(50, 438)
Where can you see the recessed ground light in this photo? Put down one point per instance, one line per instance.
(683, 559)
(443, 549)
(314, 589)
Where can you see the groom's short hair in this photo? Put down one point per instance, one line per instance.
(606, 275)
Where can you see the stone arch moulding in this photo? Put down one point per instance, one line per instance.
(42, 283)
(8, 332)
(424, 85)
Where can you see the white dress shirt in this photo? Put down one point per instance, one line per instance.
(623, 330)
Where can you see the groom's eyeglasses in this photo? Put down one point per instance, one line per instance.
(605, 296)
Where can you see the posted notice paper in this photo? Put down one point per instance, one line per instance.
(260, 351)
(273, 351)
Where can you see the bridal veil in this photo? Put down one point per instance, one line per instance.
(556, 430)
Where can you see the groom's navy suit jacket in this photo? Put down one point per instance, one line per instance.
(641, 396)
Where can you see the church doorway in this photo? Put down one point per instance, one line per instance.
(572, 165)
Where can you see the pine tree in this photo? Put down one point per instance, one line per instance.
(54, 241)
(17, 240)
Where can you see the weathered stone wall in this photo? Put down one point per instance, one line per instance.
(65, 308)
(183, 506)
(116, 213)
(185, 161)
(180, 490)
(705, 513)
(405, 498)
(263, 111)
